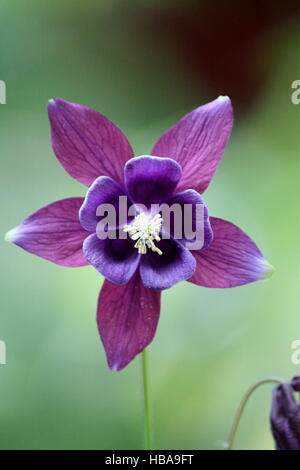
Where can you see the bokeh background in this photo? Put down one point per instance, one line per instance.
(145, 63)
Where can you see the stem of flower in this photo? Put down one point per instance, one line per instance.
(238, 415)
(147, 412)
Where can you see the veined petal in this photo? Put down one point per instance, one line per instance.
(117, 260)
(127, 318)
(232, 259)
(86, 143)
(104, 190)
(151, 180)
(54, 233)
(197, 142)
(163, 271)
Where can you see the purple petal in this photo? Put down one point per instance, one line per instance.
(127, 318)
(117, 260)
(54, 233)
(197, 142)
(104, 190)
(151, 180)
(191, 220)
(86, 143)
(231, 260)
(163, 271)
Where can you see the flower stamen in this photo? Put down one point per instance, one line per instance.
(145, 230)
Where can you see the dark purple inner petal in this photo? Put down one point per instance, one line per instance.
(151, 180)
(192, 221)
(163, 271)
(117, 260)
(104, 190)
(119, 250)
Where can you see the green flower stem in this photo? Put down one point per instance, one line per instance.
(147, 412)
(238, 415)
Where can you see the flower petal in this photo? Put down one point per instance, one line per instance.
(54, 233)
(86, 143)
(197, 142)
(117, 260)
(151, 180)
(231, 260)
(104, 190)
(163, 271)
(193, 221)
(127, 318)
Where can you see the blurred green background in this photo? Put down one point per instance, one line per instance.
(144, 64)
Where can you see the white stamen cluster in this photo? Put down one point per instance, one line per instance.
(145, 230)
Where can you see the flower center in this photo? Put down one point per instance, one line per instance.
(145, 230)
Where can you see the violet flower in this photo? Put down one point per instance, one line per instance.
(182, 162)
(285, 416)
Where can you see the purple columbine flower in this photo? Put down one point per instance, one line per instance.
(182, 162)
(285, 416)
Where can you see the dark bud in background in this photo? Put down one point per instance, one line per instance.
(285, 416)
(295, 383)
(224, 49)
